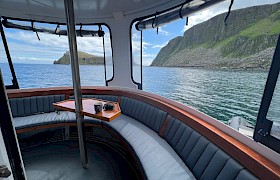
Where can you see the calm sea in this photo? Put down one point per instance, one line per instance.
(221, 94)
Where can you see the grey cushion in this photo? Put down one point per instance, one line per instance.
(143, 112)
(48, 118)
(202, 157)
(159, 160)
(33, 105)
(40, 119)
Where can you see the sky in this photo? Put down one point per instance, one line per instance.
(26, 48)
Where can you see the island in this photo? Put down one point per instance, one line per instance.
(83, 58)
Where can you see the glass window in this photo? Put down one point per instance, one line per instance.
(215, 68)
(136, 55)
(42, 60)
(92, 54)
(273, 113)
(5, 69)
(108, 55)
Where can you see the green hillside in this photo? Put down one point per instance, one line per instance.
(83, 58)
(247, 41)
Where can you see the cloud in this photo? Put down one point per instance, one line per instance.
(204, 15)
(146, 44)
(160, 45)
(148, 58)
(25, 45)
(136, 35)
(163, 32)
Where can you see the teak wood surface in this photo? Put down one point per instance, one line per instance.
(88, 108)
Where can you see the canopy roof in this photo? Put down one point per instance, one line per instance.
(86, 11)
(53, 10)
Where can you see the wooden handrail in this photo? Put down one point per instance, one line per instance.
(254, 161)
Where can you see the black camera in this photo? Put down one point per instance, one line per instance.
(108, 106)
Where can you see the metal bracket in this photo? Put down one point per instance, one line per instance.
(4, 171)
(263, 133)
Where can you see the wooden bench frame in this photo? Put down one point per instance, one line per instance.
(252, 156)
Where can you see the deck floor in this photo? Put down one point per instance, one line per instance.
(61, 160)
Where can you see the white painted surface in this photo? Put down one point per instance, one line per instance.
(120, 31)
(86, 11)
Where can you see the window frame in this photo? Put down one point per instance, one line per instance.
(7, 51)
(139, 84)
(263, 125)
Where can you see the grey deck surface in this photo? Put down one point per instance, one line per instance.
(62, 161)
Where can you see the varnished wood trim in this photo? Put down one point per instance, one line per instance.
(255, 162)
(164, 126)
(119, 99)
(67, 96)
(93, 125)
(47, 126)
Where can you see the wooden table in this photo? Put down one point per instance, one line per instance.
(88, 108)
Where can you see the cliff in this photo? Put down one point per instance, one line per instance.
(83, 58)
(247, 41)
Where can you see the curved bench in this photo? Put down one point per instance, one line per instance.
(181, 152)
(165, 146)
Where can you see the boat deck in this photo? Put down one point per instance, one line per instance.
(61, 160)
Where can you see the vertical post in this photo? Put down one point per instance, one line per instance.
(9, 135)
(14, 80)
(104, 57)
(71, 32)
(141, 61)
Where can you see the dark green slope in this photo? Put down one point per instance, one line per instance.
(83, 58)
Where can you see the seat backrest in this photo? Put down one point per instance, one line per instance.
(149, 115)
(202, 157)
(34, 105)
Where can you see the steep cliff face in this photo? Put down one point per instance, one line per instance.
(83, 58)
(250, 33)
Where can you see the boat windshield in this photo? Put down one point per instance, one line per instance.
(42, 59)
(219, 68)
(273, 113)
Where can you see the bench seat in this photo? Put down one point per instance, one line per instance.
(39, 110)
(42, 119)
(159, 160)
(48, 118)
(179, 152)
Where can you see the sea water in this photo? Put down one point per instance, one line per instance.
(221, 94)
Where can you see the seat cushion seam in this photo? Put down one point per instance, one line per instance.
(209, 162)
(187, 141)
(223, 167)
(179, 137)
(192, 148)
(201, 153)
